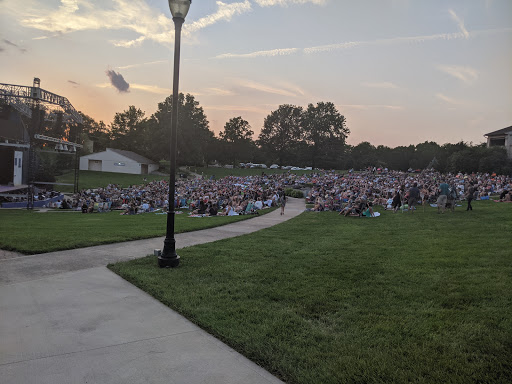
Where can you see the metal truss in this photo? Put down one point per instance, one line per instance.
(13, 93)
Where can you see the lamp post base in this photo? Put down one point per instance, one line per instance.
(168, 262)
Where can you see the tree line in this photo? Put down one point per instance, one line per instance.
(291, 135)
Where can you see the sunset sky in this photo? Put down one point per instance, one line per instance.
(400, 71)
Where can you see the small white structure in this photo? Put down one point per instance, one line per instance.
(501, 138)
(117, 160)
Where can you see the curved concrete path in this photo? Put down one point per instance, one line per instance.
(65, 318)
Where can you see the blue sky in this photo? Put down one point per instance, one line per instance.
(401, 71)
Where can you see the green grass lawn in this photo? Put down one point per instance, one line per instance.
(95, 179)
(402, 298)
(32, 232)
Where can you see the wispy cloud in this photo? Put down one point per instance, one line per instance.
(371, 106)
(237, 108)
(353, 44)
(150, 24)
(460, 23)
(292, 87)
(379, 42)
(10, 43)
(130, 66)
(218, 92)
(151, 89)
(225, 12)
(449, 100)
(265, 88)
(141, 87)
(285, 3)
(385, 85)
(269, 53)
(466, 74)
(343, 46)
(74, 83)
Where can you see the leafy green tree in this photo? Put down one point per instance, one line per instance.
(466, 160)
(94, 131)
(237, 135)
(447, 150)
(325, 131)
(363, 155)
(495, 159)
(194, 136)
(128, 131)
(281, 133)
(425, 152)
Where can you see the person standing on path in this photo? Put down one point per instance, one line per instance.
(444, 190)
(471, 192)
(414, 197)
(282, 201)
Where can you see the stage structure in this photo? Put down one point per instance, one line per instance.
(33, 120)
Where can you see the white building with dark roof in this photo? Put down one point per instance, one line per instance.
(117, 160)
(501, 138)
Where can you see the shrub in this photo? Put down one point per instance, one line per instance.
(294, 193)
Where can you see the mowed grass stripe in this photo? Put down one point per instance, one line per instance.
(325, 299)
(32, 232)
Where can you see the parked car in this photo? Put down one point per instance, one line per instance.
(308, 169)
(264, 166)
(274, 166)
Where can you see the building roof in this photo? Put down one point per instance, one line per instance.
(132, 156)
(499, 131)
(127, 154)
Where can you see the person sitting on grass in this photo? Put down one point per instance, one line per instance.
(319, 204)
(258, 204)
(212, 208)
(369, 211)
(201, 209)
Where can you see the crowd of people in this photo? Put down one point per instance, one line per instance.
(358, 193)
(228, 196)
(350, 194)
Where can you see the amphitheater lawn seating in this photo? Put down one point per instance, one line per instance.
(330, 299)
(94, 179)
(32, 232)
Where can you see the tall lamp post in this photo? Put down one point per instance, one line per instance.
(169, 257)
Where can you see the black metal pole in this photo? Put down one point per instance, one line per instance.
(169, 257)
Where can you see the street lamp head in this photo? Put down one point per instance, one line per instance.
(179, 8)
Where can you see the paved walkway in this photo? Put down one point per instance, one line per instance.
(65, 318)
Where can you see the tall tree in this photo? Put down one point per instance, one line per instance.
(281, 132)
(127, 131)
(237, 135)
(194, 135)
(94, 131)
(324, 126)
(363, 155)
